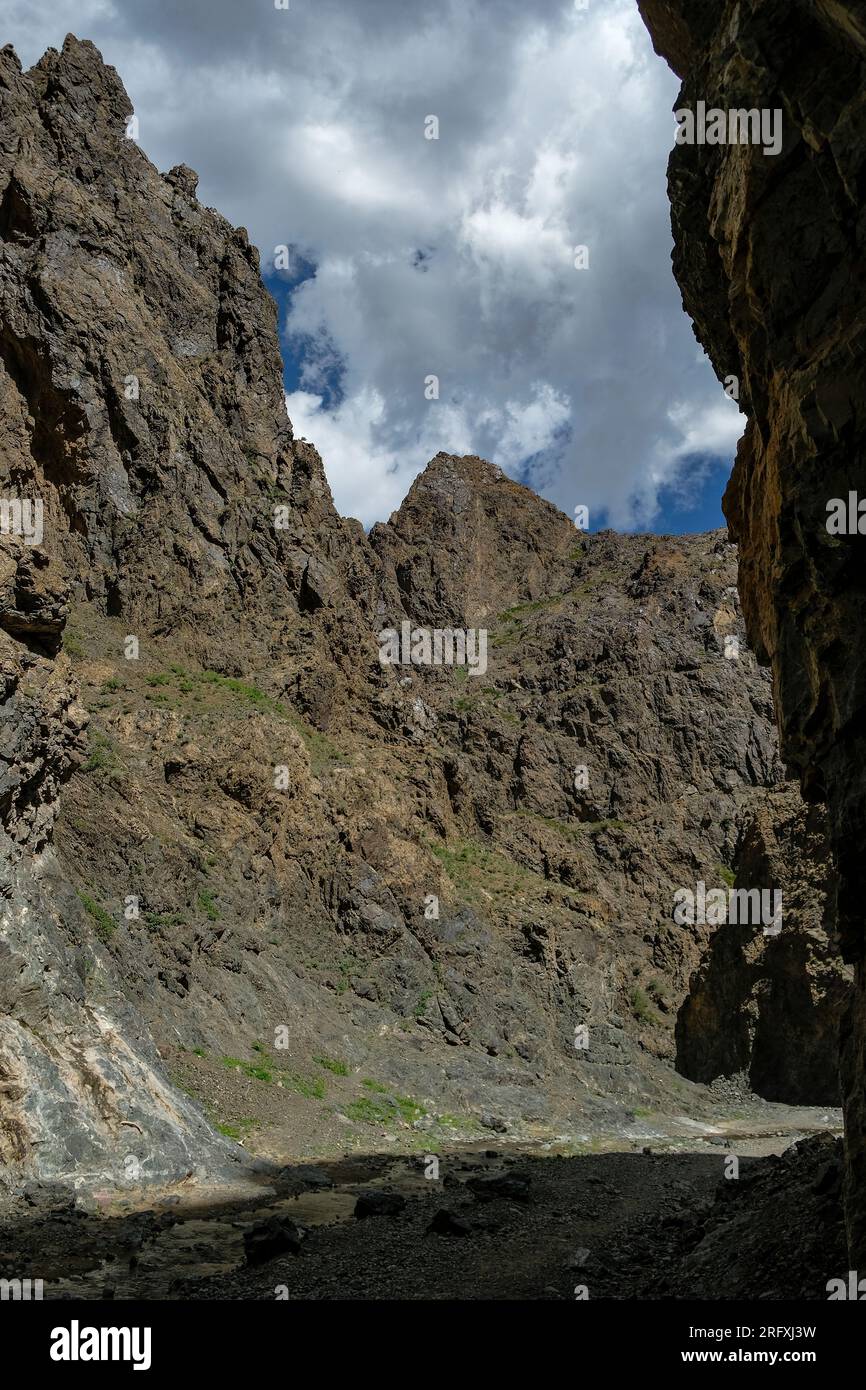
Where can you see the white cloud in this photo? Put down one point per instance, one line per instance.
(714, 429)
(307, 126)
(364, 473)
(372, 478)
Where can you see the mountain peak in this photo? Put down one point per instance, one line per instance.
(80, 81)
(470, 540)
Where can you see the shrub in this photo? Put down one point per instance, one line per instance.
(105, 925)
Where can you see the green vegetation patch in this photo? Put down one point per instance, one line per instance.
(423, 1000)
(157, 920)
(641, 1007)
(578, 829)
(258, 1071)
(466, 1123)
(245, 690)
(265, 1070)
(323, 754)
(237, 1129)
(386, 1109)
(102, 758)
(333, 1064)
(208, 906)
(479, 873)
(525, 610)
(311, 1087)
(105, 925)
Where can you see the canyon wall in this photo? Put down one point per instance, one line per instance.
(769, 255)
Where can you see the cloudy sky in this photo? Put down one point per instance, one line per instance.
(454, 257)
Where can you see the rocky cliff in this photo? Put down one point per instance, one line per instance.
(769, 255)
(255, 880)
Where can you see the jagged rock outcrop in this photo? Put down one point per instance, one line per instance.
(768, 254)
(769, 1006)
(239, 846)
(138, 379)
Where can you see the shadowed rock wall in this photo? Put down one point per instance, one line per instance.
(769, 255)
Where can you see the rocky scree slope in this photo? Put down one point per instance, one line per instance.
(219, 851)
(769, 257)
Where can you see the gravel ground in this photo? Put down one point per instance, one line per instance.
(500, 1223)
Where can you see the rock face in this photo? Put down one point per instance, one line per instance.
(140, 406)
(230, 831)
(768, 254)
(777, 1233)
(766, 1006)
